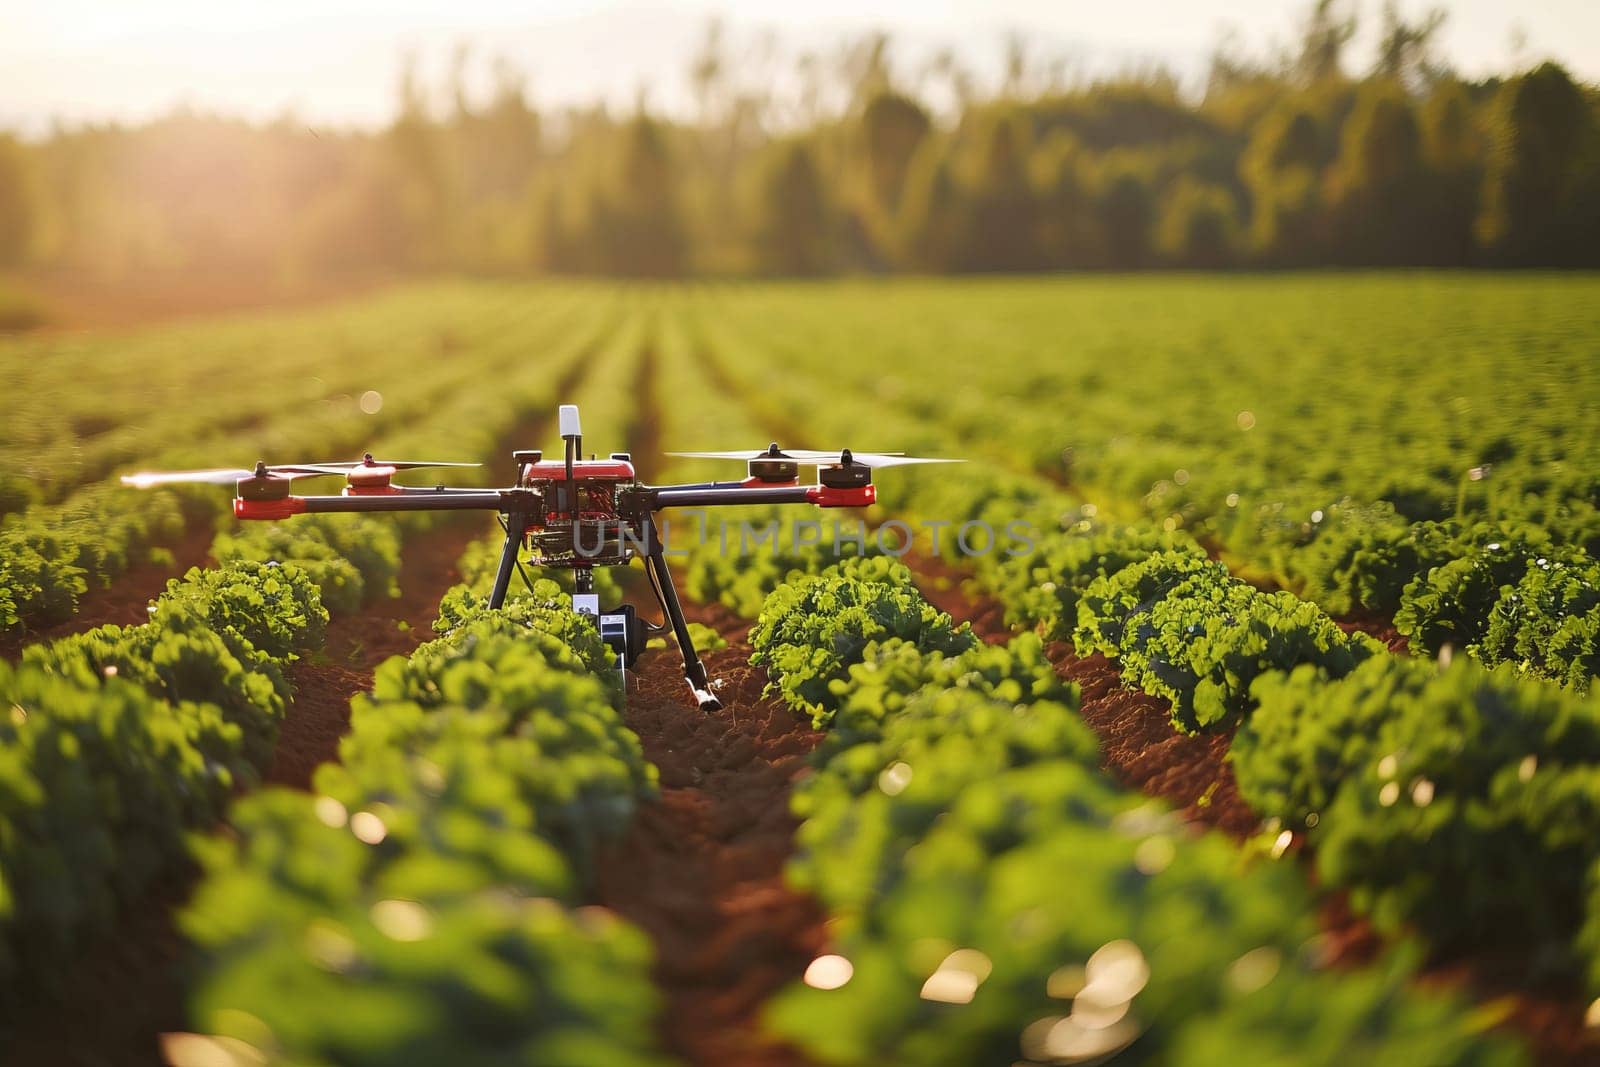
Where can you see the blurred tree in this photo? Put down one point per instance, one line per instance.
(640, 226)
(1198, 226)
(1124, 206)
(1452, 149)
(1002, 228)
(1285, 162)
(1323, 37)
(892, 128)
(422, 180)
(1281, 168)
(1537, 127)
(19, 202)
(791, 217)
(350, 227)
(1407, 50)
(1377, 195)
(934, 221)
(1067, 234)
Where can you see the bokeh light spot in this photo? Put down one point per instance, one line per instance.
(829, 972)
(330, 812)
(368, 827)
(401, 920)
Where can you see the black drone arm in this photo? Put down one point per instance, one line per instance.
(721, 494)
(399, 499)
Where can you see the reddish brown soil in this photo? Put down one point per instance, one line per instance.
(1141, 749)
(1378, 627)
(701, 869)
(1550, 1017)
(127, 601)
(125, 990)
(323, 685)
(1138, 744)
(944, 587)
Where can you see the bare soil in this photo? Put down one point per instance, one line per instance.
(701, 869)
(1142, 750)
(356, 645)
(1380, 628)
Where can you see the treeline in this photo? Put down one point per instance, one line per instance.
(1281, 162)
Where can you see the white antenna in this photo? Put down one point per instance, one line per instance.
(569, 421)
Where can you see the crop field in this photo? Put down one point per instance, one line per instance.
(1231, 703)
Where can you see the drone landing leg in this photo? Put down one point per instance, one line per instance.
(515, 525)
(693, 670)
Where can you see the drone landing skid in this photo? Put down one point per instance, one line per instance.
(706, 701)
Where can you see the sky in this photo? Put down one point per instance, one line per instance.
(337, 62)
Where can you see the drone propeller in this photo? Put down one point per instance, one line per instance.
(821, 458)
(229, 475)
(220, 476)
(344, 467)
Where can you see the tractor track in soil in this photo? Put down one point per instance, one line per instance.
(1140, 749)
(127, 985)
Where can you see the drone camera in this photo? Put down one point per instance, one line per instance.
(624, 633)
(621, 629)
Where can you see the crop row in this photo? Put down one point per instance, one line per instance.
(270, 381)
(1424, 793)
(119, 740)
(175, 715)
(123, 739)
(1444, 796)
(424, 903)
(990, 892)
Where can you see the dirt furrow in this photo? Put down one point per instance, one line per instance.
(643, 433)
(701, 868)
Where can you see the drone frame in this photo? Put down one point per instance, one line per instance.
(554, 503)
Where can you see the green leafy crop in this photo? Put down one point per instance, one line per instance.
(1461, 802)
(812, 630)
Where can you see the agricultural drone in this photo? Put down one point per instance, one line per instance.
(572, 513)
